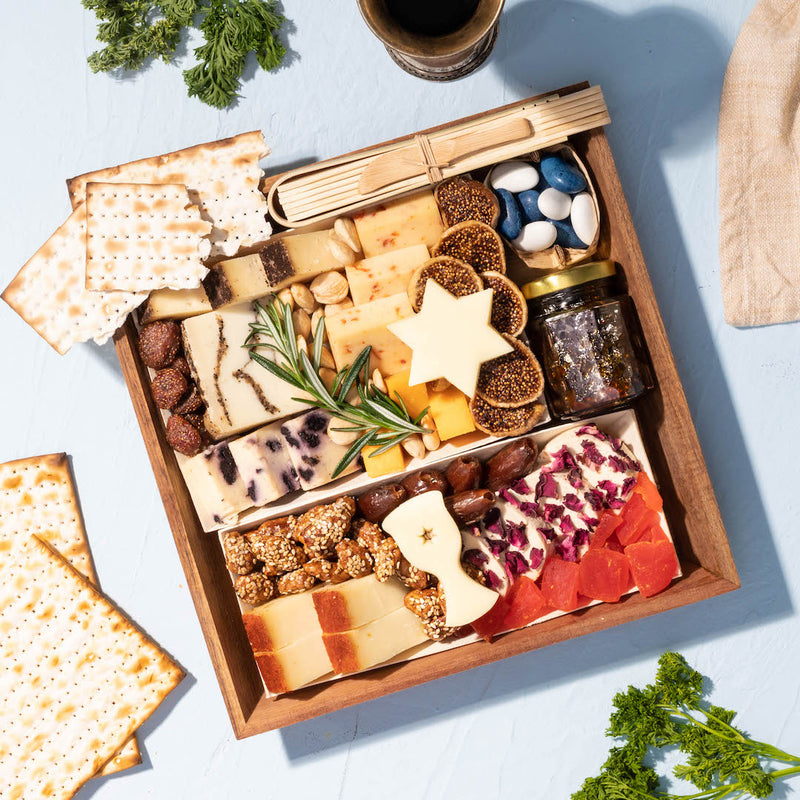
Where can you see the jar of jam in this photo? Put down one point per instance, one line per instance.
(588, 335)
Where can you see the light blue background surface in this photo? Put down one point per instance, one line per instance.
(531, 726)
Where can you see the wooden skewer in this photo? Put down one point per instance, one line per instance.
(341, 185)
(565, 106)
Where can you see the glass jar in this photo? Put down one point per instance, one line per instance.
(589, 338)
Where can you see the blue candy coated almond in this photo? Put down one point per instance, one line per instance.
(529, 203)
(562, 176)
(566, 236)
(510, 217)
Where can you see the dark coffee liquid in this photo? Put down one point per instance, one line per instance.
(432, 17)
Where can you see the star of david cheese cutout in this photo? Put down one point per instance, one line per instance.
(450, 337)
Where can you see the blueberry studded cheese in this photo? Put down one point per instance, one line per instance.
(264, 465)
(311, 450)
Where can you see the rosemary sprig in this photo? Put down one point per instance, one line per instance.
(380, 420)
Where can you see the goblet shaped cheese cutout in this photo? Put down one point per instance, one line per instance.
(429, 538)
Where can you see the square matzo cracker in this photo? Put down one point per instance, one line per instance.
(222, 177)
(76, 677)
(37, 497)
(50, 292)
(141, 237)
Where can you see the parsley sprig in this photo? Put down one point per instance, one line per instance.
(135, 31)
(379, 420)
(721, 760)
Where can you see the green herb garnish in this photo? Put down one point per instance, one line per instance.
(722, 761)
(135, 31)
(379, 420)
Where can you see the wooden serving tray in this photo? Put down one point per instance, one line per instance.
(671, 442)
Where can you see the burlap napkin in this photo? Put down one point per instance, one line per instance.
(759, 174)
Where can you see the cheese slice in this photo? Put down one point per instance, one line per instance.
(176, 304)
(351, 330)
(238, 393)
(429, 538)
(451, 337)
(386, 274)
(217, 490)
(282, 621)
(312, 452)
(356, 602)
(264, 464)
(295, 665)
(375, 642)
(414, 219)
(295, 257)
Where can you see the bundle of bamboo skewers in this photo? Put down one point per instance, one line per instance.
(341, 185)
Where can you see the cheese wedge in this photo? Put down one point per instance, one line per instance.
(217, 490)
(375, 642)
(295, 665)
(238, 393)
(410, 220)
(296, 257)
(351, 330)
(280, 622)
(312, 452)
(264, 464)
(386, 274)
(176, 304)
(356, 602)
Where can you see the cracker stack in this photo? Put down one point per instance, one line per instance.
(76, 677)
(146, 225)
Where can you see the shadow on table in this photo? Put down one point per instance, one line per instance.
(156, 718)
(661, 72)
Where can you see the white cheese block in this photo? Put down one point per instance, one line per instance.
(351, 330)
(386, 274)
(264, 464)
(279, 622)
(375, 642)
(238, 393)
(217, 490)
(296, 257)
(311, 450)
(295, 665)
(413, 219)
(356, 602)
(430, 539)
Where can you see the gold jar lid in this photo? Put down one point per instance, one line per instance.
(594, 270)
